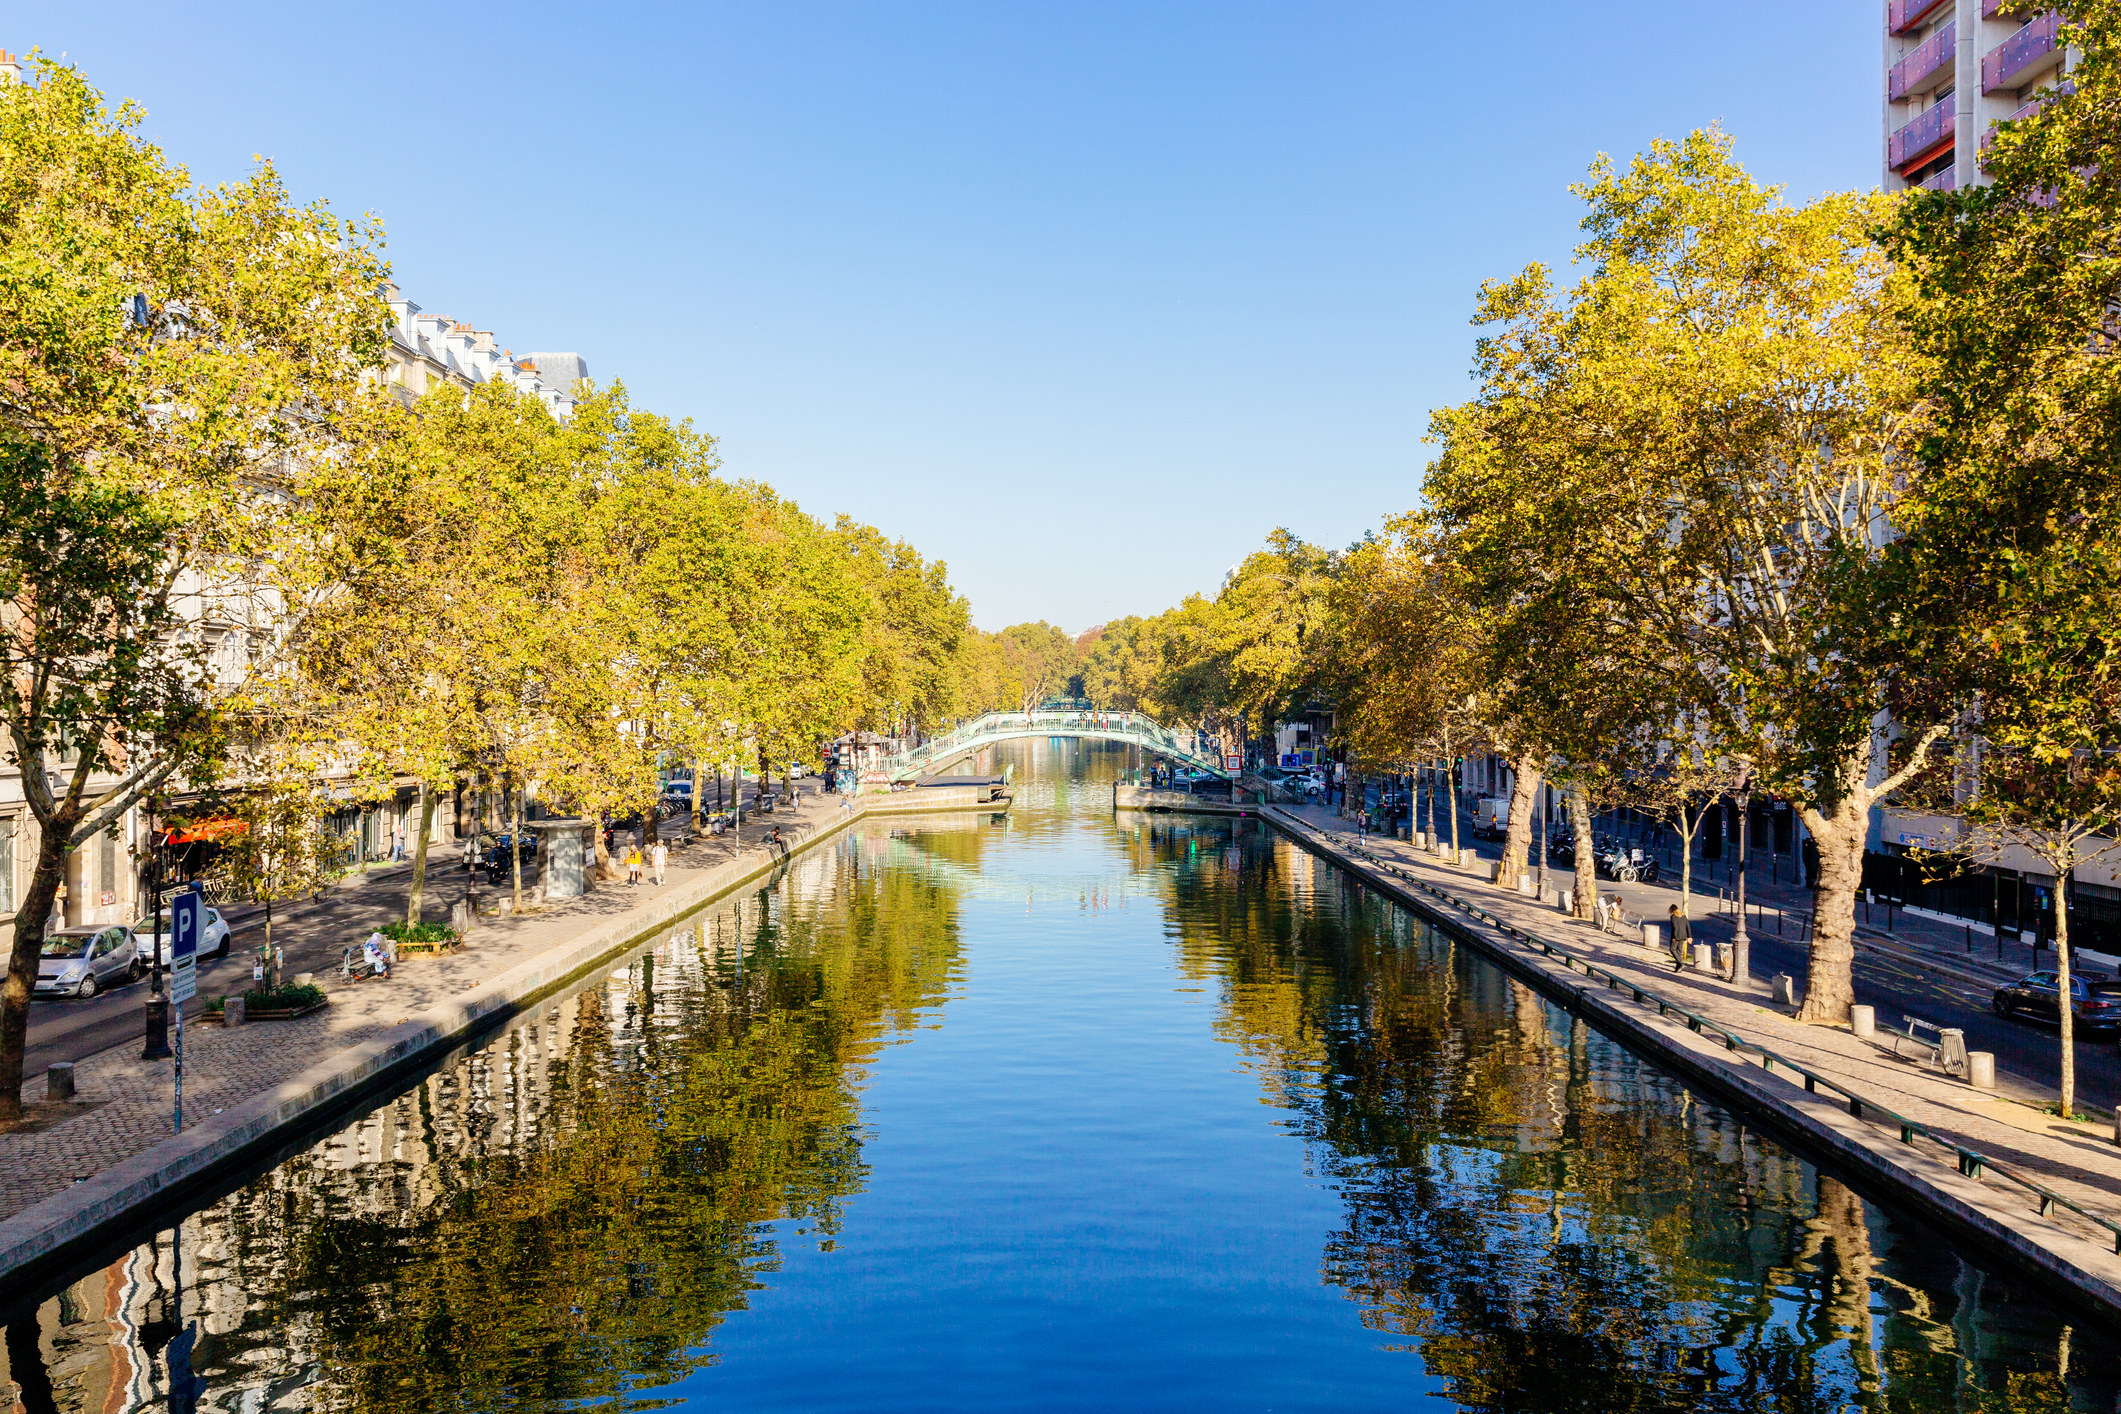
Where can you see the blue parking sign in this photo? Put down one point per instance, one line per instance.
(186, 918)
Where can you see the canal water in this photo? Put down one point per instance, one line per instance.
(1057, 1110)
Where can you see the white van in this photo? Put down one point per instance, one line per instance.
(1491, 817)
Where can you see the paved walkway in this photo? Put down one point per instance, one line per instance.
(2077, 1160)
(125, 1104)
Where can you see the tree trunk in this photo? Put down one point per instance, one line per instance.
(1584, 904)
(1686, 859)
(515, 844)
(23, 960)
(697, 824)
(1829, 983)
(2066, 1004)
(272, 959)
(1516, 844)
(417, 897)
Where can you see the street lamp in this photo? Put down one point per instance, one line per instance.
(1741, 944)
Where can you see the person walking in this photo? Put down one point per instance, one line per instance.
(658, 857)
(1682, 940)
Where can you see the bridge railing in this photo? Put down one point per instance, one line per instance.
(1132, 726)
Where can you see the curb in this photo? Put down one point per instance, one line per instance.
(56, 1231)
(2034, 1245)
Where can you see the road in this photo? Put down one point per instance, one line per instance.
(63, 1029)
(2027, 1052)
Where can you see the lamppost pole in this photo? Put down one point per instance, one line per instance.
(1741, 944)
(156, 1008)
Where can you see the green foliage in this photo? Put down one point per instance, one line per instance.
(183, 375)
(423, 932)
(288, 996)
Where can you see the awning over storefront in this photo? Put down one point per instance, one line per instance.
(206, 830)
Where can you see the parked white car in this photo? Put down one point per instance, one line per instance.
(79, 962)
(213, 940)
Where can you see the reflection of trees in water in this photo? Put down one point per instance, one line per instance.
(1547, 1222)
(568, 1212)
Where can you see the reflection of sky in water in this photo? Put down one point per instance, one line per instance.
(1059, 1110)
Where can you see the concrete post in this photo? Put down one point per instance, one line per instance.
(59, 1083)
(232, 1012)
(1981, 1069)
(1863, 1021)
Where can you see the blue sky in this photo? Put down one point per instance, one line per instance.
(1083, 299)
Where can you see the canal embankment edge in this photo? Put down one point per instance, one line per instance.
(52, 1235)
(2035, 1246)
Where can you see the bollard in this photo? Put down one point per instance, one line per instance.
(1704, 957)
(59, 1083)
(1568, 900)
(1981, 1069)
(1527, 885)
(1785, 989)
(1653, 936)
(232, 1012)
(1863, 1021)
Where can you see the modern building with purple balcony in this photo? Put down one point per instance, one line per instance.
(1953, 70)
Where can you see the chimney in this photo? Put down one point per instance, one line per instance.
(11, 68)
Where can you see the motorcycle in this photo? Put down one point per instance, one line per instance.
(1626, 864)
(359, 961)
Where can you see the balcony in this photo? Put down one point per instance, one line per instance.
(1946, 180)
(2018, 60)
(1904, 15)
(1916, 72)
(1920, 139)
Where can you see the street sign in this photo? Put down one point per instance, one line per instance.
(186, 916)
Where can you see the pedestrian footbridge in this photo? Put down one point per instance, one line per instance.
(1130, 727)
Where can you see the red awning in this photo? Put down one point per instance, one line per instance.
(206, 830)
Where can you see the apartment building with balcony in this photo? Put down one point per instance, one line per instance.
(1954, 69)
(426, 349)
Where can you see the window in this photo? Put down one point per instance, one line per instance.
(107, 876)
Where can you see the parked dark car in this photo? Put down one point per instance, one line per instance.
(2097, 999)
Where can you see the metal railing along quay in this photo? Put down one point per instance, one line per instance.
(1972, 1162)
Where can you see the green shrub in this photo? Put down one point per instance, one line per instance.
(286, 997)
(417, 932)
(219, 1003)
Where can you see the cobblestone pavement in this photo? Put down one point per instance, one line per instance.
(127, 1103)
(2078, 1160)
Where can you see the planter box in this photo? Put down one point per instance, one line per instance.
(251, 1014)
(433, 946)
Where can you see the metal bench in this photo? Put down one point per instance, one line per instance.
(1947, 1052)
